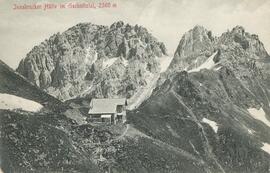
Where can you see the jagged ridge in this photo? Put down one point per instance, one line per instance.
(69, 64)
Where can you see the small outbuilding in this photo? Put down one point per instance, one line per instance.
(110, 111)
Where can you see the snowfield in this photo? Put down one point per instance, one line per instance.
(208, 64)
(108, 62)
(266, 147)
(259, 115)
(11, 102)
(164, 62)
(211, 123)
(143, 93)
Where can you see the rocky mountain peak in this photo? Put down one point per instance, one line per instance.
(233, 47)
(70, 63)
(238, 29)
(239, 38)
(199, 30)
(197, 42)
(117, 24)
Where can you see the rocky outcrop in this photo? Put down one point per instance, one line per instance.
(198, 44)
(69, 64)
(194, 48)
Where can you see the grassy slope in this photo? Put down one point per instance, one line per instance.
(173, 115)
(38, 143)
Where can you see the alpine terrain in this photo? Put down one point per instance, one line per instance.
(204, 110)
(95, 61)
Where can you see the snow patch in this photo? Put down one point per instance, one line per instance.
(164, 62)
(266, 147)
(211, 123)
(132, 132)
(10, 102)
(250, 131)
(88, 57)
(143, 93)
(259, 115)
(125, 62)
(201, 37)
(208, 64)
(218, 68)
(95, 58)
(87, 90)
(108, 62)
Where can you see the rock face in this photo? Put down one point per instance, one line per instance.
(198, 44)
(94, 60)
(194, 46)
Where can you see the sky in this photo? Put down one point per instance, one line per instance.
(167, 20)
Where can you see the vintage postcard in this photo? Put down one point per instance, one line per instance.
(134, 86)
